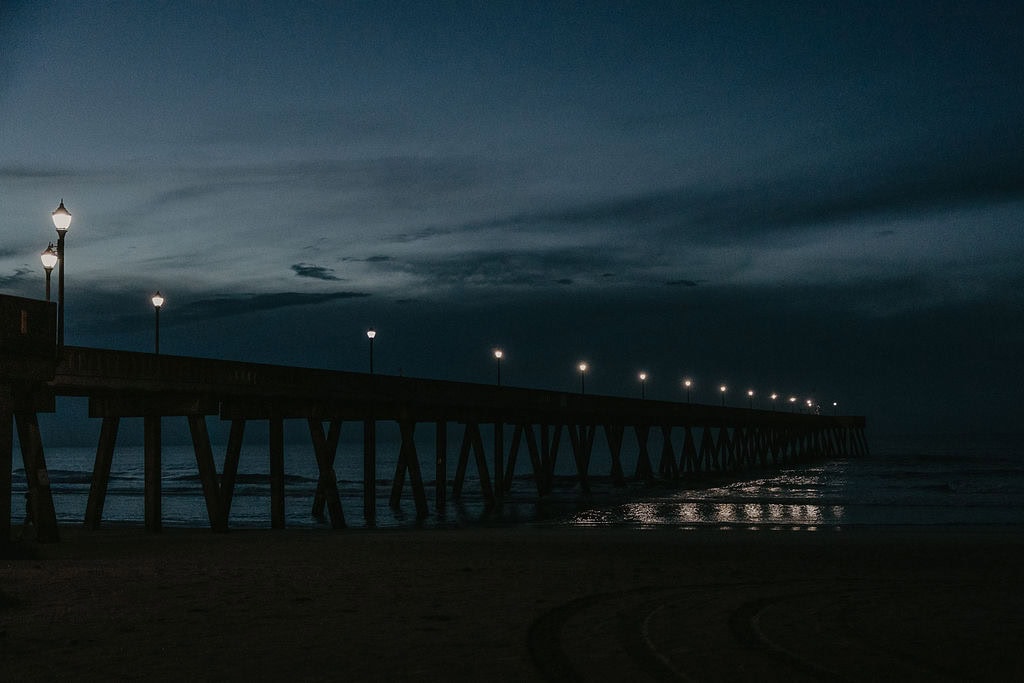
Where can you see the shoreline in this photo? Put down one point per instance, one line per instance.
(515, 603)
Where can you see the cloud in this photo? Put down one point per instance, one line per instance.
(315, 272)
(222, 307)
(17, 278)
(22, 172)
(369, 259)
(910, 181)
(522, 268)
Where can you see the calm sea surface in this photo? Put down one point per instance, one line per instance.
(905, 481)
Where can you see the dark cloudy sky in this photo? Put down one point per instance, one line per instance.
(821, 199)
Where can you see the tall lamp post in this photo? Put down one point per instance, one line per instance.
(158, 302)
(688, 384)
(750, 398)
(723, 389)
(643, 385)
(62, 221)
(498, 355)
(370, 334)
(49, 259)
(775, 397)
(583, 371)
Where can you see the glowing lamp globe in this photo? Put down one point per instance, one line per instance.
(61, 218)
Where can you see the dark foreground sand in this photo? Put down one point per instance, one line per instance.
(516, 604)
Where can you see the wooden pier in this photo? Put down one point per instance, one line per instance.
(692, 439)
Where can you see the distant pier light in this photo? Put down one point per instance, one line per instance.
(750, 398)
(723, 389)
(643, 384)
(158, 303)
(582, 367)
(371, 334)
(792, 402)
(49, 259)
(774, 398)
(835, 407)
(687, 384)
(62, 221)
(498, 355)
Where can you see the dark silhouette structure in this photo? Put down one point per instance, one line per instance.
(694, 439)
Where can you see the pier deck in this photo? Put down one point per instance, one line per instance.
(690, 439)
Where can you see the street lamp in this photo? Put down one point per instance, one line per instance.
(49, 259)
(62, 221)
(643, 385)
(370, 334)
(688, 383)
(835, 408)
(158, 302)
(723, 389)
(583, 371)
(774, 397)
(750, 398)
(498, 355)
(792, 402)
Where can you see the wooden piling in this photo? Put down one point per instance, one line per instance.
(231, 458)
(153, 474)
(440, 463)
(101, 472)
(324, 450)
(6, 467)
(277, 473)
(207, 472)
(370, 470)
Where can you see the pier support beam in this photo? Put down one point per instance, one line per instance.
(370, 471)
(207, 472)
(231, 458)
(6, 467)
(582, 439)
(152, 484)
(499, 460)
(325, 448)
(472, 441)
(667, 466)
(643, 458)
(613, 434)
(40, 504)
(408, 461)
(441, 463)
(101, 472)
(276, 473)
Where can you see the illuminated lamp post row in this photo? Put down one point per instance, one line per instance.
(54, 256)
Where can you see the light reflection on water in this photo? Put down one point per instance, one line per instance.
(704, 513)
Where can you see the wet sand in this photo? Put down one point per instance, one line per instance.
(516, 604)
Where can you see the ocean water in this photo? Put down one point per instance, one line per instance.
(940, 480)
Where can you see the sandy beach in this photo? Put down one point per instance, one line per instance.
(516, 604)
